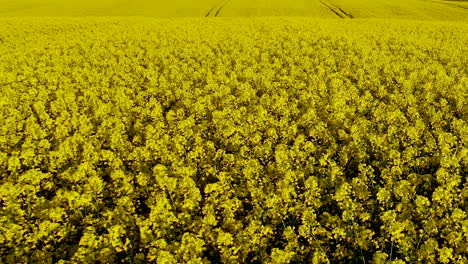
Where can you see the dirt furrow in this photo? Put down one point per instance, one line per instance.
(214, 11)
(450, 4)
(336, 12)
(209, 12)
(344, 12)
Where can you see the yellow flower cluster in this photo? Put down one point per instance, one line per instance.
(267, 140)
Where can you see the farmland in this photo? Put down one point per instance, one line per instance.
(401, 9)
(234, 131)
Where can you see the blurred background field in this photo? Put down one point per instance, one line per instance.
(404, 9)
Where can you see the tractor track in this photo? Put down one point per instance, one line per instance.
(337, 10)
(214, 11)
(209, 12)
(450, 4)
(344, 12)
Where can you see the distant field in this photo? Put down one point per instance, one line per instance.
(402, 9)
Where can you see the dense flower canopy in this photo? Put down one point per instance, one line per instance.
(267, 140)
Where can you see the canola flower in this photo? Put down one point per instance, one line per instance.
(268, 140)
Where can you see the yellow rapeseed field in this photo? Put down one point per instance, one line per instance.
(401, 9)
(268, 131)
